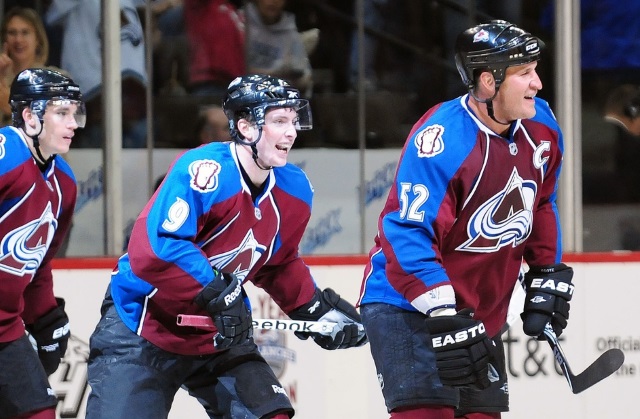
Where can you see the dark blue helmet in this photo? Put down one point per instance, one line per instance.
(250, 97)
(35, 87)
(494, 46)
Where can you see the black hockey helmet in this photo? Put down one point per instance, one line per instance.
(250, 97)
(494, 46)
(36, 87)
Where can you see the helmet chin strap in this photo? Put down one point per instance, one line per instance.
(254, 149)
(36, 143)
(489, 103)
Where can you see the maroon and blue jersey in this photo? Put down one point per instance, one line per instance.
(467, 206)
(35, 216)
(202, 216)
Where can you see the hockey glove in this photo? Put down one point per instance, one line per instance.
(328, 306)
(51, 335)
(223, 299)
(463, 351)
(549, 291)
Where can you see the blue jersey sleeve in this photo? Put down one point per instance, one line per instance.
(432, 156)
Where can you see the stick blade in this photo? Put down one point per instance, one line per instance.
(604, 366)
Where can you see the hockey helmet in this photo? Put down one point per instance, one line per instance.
(250, 96)
(39, 87)
(494, 46)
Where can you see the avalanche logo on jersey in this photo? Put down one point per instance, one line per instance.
(204, 175)
(503, 220)
(241, 259)
(23, 249)
(429, 141)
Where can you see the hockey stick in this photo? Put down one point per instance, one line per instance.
(601, 368)
(324, 328)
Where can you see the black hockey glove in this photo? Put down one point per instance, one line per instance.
(463, 351)
(328, 306)
(223, 299)
(51, 334)
(549, 291)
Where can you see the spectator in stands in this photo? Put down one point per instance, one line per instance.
(82, 59)
(622, 108)
(274, 45)
(215, 34)
(24, 45)
(169, 45)
(212, 125)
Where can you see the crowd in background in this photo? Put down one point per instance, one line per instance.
(199, 46)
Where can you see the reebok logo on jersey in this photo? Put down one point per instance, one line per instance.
(429, 141)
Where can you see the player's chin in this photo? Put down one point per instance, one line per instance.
(528, 112)
(279, 158)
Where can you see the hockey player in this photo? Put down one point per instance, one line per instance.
(474, 195)
(226, 213)
(37, 198)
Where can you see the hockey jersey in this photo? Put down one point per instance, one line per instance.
(35, 216)
(466, 207)
(203, 216)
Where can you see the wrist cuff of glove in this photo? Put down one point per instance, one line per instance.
(439, 298)
(312, 310)
(53, 316)
(553, 280)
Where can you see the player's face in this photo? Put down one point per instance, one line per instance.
(515, 97)
(278, 135)
(59, 127)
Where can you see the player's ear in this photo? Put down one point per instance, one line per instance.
(245, 128)
(486, 81)
(28, 117)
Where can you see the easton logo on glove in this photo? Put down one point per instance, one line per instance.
(551, 285)
(459, 337)
(463, 351)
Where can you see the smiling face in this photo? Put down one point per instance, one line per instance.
(22, 42)
(516, 93)
(278, 135)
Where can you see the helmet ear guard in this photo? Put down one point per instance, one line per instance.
(494, 47)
